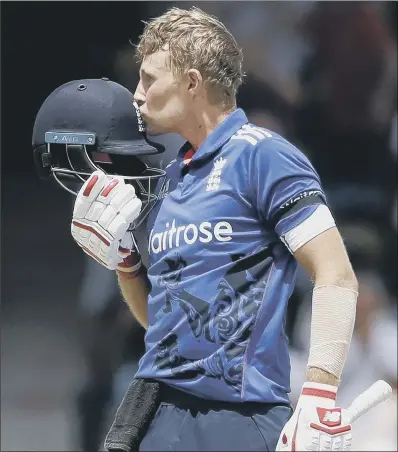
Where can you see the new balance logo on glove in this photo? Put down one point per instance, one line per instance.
(329, 417)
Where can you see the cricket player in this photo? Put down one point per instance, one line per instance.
(244, 207)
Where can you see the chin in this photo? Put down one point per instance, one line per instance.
(156, 130)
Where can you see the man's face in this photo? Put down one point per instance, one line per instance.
(162, 98)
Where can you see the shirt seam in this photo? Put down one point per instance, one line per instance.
(242, 393)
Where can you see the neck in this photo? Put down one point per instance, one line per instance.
(198, 125)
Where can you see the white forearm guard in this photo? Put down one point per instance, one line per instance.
(332, 324)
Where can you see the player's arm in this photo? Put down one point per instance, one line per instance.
(103, 211)
(135, 292)
(291, 199)
(309, 231)
(289, 196)
(333, 307)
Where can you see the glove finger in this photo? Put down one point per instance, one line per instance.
(103, 251)
(82, 236)
(81, 207)
(127, 241)
(346, 442)
(320, 440)
(118, 227)
(109, 255)
(110, 190)
(74, 230)
(335, 443)
(89, 191)
(125, 194)
(106, 252)
(106, 218)
(131, 210)
(96, 258)
(95, 211)
(93, 185)
(115, 261)
(93, 244)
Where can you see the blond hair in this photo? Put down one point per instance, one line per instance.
(196, 40)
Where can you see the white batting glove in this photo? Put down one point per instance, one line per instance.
(104, 209)
(316, 424)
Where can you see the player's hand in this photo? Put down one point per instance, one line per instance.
(104, 209)
(316, 424)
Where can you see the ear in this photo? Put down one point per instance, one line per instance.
(195, 81)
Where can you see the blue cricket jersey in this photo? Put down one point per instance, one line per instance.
(220, 274)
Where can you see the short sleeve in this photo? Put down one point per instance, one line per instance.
(285, 187)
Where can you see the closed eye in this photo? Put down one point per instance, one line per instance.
(146, 77)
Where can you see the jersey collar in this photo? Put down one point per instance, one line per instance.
(218, 137)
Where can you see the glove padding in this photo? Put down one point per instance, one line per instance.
(104, 209)
(316, 424)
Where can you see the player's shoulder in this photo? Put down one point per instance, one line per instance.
(258, 142)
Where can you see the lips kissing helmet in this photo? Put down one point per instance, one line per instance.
(86, 125)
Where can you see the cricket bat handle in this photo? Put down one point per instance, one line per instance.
(377, 393)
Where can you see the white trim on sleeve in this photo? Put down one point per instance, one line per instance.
(319, 221)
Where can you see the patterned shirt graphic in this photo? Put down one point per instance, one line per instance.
(220, 275)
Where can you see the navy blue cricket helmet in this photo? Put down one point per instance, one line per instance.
(85, 125)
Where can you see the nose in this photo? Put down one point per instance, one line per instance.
(139, 95)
